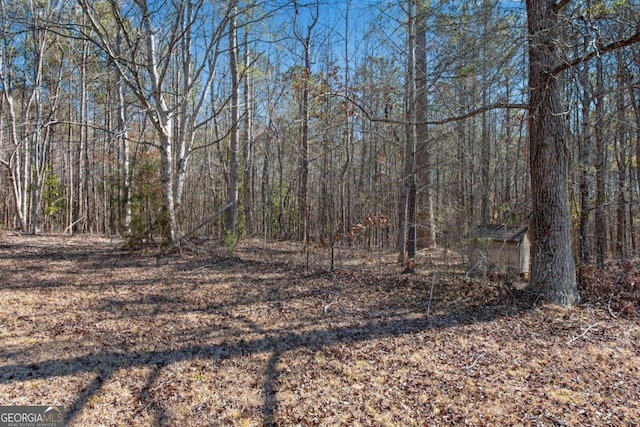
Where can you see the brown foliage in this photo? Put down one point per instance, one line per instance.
(257, 339)
(617, 287)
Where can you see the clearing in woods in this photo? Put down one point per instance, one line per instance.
(257, 338)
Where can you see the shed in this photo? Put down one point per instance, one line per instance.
(500, 245)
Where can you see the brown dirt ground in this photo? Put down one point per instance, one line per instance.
(268, 336)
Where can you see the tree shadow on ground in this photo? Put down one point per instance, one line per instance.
(388, 317)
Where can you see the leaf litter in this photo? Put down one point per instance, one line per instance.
(269, 336)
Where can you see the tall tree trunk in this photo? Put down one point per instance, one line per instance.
(406, 232)
(247, 141)
(80, 212)
(125, 155)
(423, 155)
(485, 145)
(248, 176)
(585, 162)
(232, 218)
(303, 166)
(166, 160)
(621, 160)
(636, 110)
(125, 165)
(601, 170)
(38, 149)
(553, 273)
(163, 120)
(585, 174)
(13, 163)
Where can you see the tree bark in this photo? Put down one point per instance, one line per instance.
(303, 165)
(621, 162)
(125, 166)
(232, 197)
(423, 155)
(552, 264)
(406, 245)
(636, 113)
(247, 142)
(585, 174)
(13, 163)
(601, 169)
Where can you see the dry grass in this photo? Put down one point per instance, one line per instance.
(259, 339)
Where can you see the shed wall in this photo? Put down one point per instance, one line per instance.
(509, 254)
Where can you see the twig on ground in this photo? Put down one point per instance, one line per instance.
(66, 230)
(556, 421)
(583, 333)
(624, 308)
(473, 364)
(326, 308)
(196, 228)
(615, 316)
(537, 299)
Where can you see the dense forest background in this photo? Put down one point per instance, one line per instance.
(309, 120)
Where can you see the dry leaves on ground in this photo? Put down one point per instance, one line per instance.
(268, 336)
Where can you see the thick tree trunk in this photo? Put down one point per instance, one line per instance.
(552, 263)
(166, 159)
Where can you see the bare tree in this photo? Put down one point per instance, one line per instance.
(150, 38)
(16, 161)
(601, 168)
(31, 133)
(424, 167)
(407, 230)
(232, 191)
(304, 39)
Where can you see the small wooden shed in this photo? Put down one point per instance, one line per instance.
(499, 245)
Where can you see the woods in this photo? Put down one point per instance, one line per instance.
(320, 212)
(143, 118)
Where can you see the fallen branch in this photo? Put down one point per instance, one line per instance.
(611, 313)
(470, 367)
(622, 310)
(197, 227)
(326, 308)
(583, 333)
(556, 421)
(71, 225)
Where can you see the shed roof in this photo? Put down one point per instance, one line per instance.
(500, 232)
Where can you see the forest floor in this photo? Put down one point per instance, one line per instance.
(269, 336)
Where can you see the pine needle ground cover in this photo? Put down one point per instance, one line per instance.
(266, 337)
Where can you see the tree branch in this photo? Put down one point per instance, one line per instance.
(618, 44)
(469, 114)
(196, 228)
(583, 333)
(561, 5)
